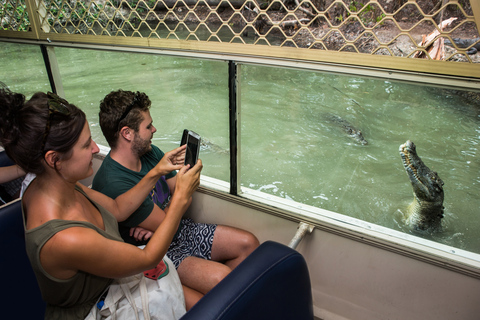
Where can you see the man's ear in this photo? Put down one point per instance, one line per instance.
(52, 159)
(126, 133)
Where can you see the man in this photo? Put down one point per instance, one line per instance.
(202, 253)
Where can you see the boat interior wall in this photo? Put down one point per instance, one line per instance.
(353, 279)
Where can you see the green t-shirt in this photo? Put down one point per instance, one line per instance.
(113, 179)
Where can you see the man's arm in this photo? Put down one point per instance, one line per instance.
(125, 204)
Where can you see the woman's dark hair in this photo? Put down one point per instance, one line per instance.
(119, 109)
(23, 129)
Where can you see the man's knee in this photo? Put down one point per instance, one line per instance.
(221, 271)
(202, 275)
(249, 242)
(232, 244)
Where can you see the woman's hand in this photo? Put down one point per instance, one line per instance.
(172, 160)
(188, 179)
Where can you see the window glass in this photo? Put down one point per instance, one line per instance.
(298, 143)
(185, 93)
(23, 69)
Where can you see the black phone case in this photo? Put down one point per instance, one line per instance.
(184, 137)
(189, 157)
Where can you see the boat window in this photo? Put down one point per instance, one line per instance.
(19, 75)
(185, 93)
(332, 142)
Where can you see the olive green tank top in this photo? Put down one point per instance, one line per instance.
(72, 298)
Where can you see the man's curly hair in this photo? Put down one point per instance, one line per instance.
(114, 106)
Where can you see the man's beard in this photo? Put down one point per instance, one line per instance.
(140, 146)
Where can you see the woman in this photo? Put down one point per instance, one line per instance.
(71, 231)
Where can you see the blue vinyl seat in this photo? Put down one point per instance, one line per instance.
(272, 283)
(21, 292)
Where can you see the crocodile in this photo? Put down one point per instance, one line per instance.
(351, 131)
(465, 43)
(426, 211)
(215, 148)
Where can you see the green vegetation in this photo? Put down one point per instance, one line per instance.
(366, 13)
(16, 13)
(83, 13)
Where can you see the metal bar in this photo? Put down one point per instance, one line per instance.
(48, 66)
(281, 53)
(442, 80)
(475, 4)
(302, 230)
(53, 71)
(232, 98)
(33, 17)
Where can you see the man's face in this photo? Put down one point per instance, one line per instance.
(142, 140)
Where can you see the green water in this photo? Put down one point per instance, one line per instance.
(288, 148)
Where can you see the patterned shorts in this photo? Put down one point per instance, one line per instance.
(193, 239)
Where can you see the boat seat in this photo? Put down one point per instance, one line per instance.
(21, 294)
(272, 283)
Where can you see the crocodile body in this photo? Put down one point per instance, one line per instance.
(426, 210)
(349, 129)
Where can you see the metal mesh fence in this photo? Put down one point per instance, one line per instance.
(430, 29)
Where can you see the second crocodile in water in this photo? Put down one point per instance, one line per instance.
(426, 210)
(349, 129)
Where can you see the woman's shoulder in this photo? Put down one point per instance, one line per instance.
(41, 206)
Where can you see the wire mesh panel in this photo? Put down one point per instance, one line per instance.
(13, 16)
(421, 29)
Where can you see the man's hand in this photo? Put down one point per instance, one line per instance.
(172, 160)
(140, 234)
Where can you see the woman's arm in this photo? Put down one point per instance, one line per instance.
(10, 173)
(84, 249)
(171, 184)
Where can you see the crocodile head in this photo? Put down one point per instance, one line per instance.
(427, 209)
(356, 135)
